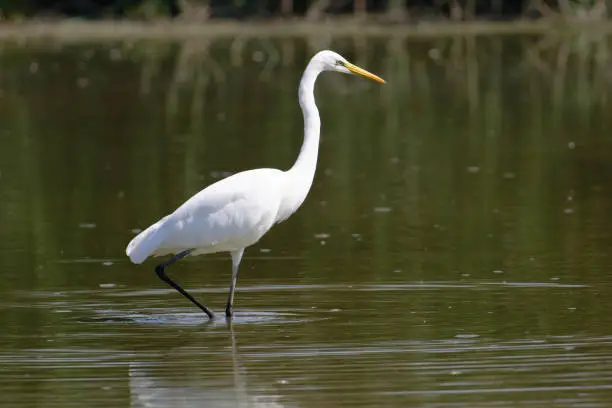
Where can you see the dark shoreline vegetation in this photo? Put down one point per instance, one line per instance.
(382, 11)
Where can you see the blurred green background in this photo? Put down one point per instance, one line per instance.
(397, 10)
(454, 249)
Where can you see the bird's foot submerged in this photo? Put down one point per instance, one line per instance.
(160, 270)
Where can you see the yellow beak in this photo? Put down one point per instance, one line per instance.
(360, 71)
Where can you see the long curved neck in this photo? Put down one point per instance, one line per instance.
(306, 163)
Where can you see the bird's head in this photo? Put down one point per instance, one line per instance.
(332, 61)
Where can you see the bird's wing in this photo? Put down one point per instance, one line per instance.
(235, 210)
(231, 213)
(147, 241)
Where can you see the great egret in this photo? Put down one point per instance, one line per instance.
(236, 212)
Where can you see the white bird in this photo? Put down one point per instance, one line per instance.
(236, 212)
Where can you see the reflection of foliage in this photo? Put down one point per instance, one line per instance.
(586, 56)
(481, 153)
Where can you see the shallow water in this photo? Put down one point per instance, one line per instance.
(453, 251)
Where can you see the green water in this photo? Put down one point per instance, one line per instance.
(454, 250)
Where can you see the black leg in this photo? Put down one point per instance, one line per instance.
(162, 275)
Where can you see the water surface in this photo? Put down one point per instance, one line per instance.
(453, 251)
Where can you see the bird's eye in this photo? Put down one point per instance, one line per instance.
(339, 62)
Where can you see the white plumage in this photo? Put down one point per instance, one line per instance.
(236, 212)
(220, 218)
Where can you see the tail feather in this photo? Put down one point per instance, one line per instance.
(145, 243)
